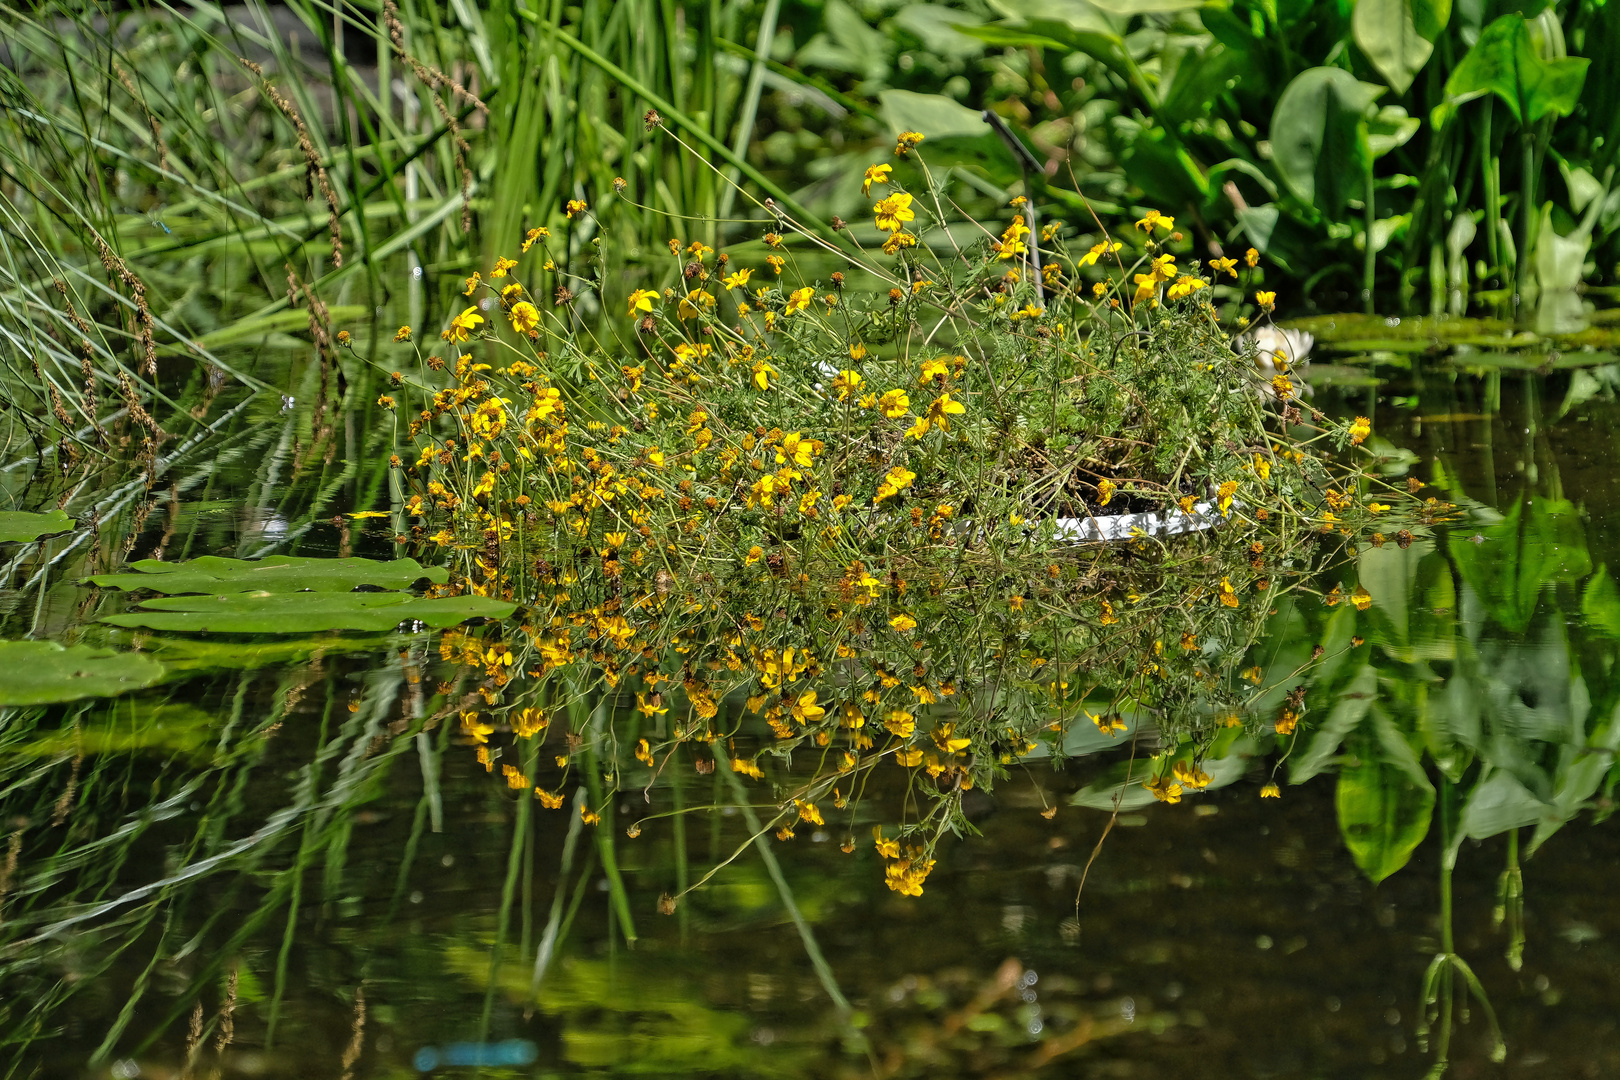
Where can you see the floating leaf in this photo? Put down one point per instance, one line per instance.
(1398, 35)
(307, 613)
(16, 525)
(279, 574)
(43, 672)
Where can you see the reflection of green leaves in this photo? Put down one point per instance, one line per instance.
(16, 525)
(1600, 604)
(1345, 716)
(306, 613)
(1384, 814)
(42, 672)
(1521, 553)
(1398, 35)
(1414, 601)
(1505, 62)
(278, 574)
(1319, 136)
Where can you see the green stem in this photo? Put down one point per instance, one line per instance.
(1370, 255)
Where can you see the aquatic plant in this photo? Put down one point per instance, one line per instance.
(863, 524)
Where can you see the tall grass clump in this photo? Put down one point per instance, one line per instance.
(872, 527)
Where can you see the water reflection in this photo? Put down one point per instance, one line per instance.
(280, 864)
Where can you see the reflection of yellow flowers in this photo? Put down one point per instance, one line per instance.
(462, 325)
(1271, 791)
(893, 212)
(1360, 430)
(547, 799)
(1164, 789)
(805, 708)
(641, 300)
(525, 317)
(875, 174)
(1361, 598)
(1190, 776)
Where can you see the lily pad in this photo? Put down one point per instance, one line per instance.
(307, 613)
(43, 672)
(16, 525)
(279, 574)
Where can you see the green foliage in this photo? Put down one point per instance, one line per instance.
(280, 574)
(306, 613)
(43, 672)
(16, 525)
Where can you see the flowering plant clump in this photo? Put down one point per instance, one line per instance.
(869, 517)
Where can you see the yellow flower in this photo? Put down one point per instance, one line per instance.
(1252, 258)
(732, 281)
(898, 479)
(755, 554)
(531, 237)
(1266, 300)
(894, 404)
(1145, 285)
(845, 384)
(462, 325)
(888, 847)
(932, 369)
(1224, 266)
(1191, 777)
(501, 267)
(908, 758)
(402, 334)
(808, 811)
(1105, 492)
(1361, 598)
(799, 299)
(903, 623)
(525, 317)
(1227, 595)
(939, 412)
(1154, 218)
(901, 723)
(1223, 497)
(1271, 791)
(1012, 240)
(893, 212)
(1360, 430)
(798, 449)
(1185, 286)
(762, 374)
(547, 799)
(1098, 251)
(641, 300)
(575, 206)
(875, 174)
(1164, 789)
(776, 263)
(906, 142)
(1377, 507)
(899, 240)
(805, 708)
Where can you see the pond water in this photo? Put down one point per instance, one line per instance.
(258, 868)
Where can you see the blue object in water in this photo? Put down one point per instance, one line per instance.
(508, 1052)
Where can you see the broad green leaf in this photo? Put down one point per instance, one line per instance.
(1319, 136)
(1515, 557)
(1145, 7)
(306, 613)
(1505, 62)
(1346, 715)
(1497, 804)
(934, 115)
(1389, 129)
(277, 574)
(1398, 35)
(43, 672)
(940, 28)
(1383, 815)
(16, 525)
(1600, 604)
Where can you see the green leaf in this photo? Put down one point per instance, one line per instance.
(1383, 816)
(934, 115)
(16, 525)
(1505, 62)
(940, 29)
(1498, 804)
(1145, 7)
(1519, 555)
(1319, 136)
(1346, 715)
(306, 613)
(1397, 36)
(1600, 604)
(43, 672)
(280, 574)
